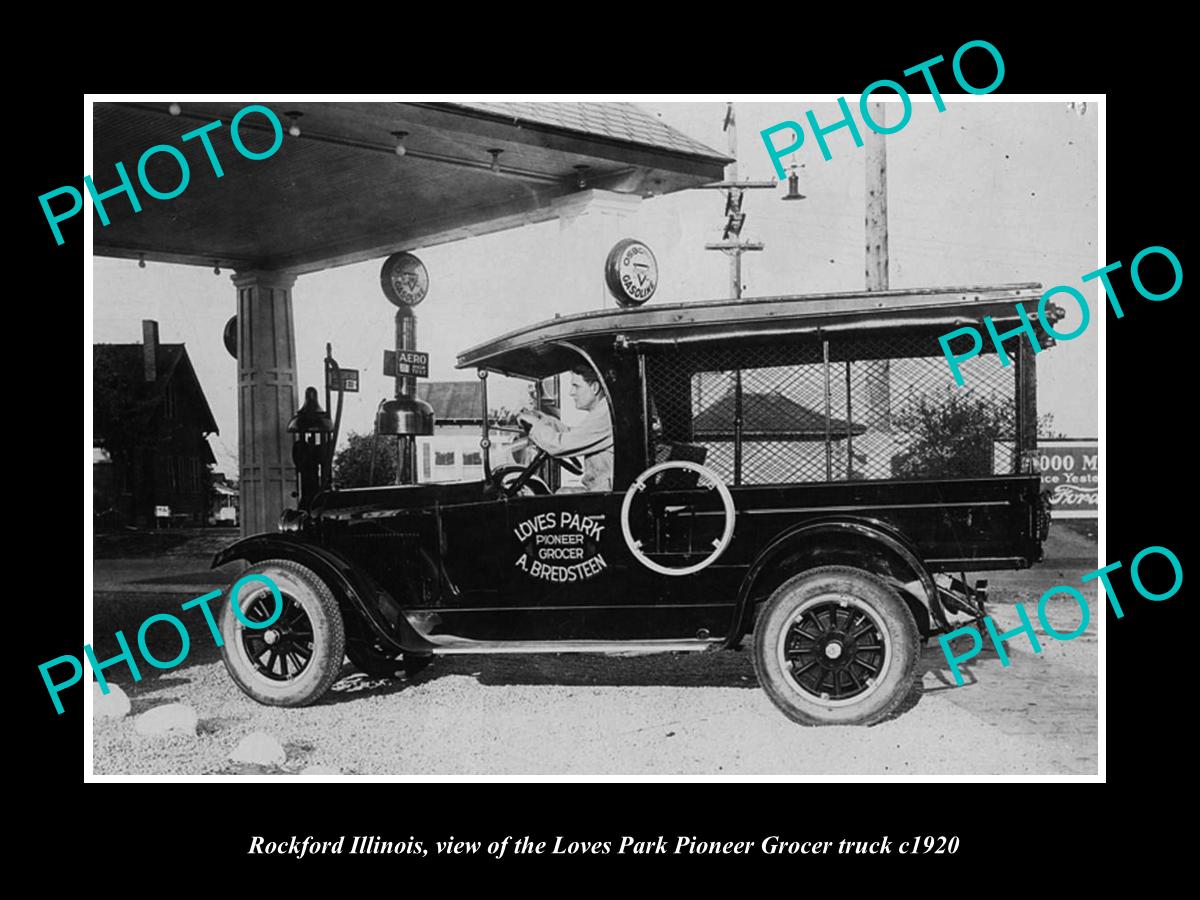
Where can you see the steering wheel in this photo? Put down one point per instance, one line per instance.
(570, 463)
(514, 486)
(504, 477)
(510, 487)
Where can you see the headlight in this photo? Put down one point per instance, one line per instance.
(292, 520)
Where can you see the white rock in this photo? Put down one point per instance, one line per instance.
(259, 748)
(174, 718)
(113, 705)
(321, 770)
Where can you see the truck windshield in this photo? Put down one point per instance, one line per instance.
(453, 452)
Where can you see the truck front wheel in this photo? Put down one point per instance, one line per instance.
(836, 646)
(293, 660)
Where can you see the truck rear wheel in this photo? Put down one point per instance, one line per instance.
(836, 646)
(295, 659)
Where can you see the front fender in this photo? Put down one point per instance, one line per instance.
(849, 533)
(358, 590)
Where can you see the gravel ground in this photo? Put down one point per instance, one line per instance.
(660, 714)
(677, 713)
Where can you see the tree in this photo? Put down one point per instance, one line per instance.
(352, 465)
(954, 437)
(123, 409)
(1045, 427)
(502, 416)
(124, 423)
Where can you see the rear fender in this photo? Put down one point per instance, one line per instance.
(860, 542)
(354, 590)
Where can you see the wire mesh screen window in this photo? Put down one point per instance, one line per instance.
(832, 411)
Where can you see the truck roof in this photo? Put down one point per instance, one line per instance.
(537, 350)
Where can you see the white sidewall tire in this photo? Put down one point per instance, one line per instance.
(329, 637)
(901, 638)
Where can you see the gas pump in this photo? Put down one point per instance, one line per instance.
(310, 452)
(316, 440)
(405, 283)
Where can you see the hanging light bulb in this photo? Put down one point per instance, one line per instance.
(216, 267)
(400, 136)
(141, 260)
(174, 109)
(293, 126)
(495, 159)
(581, 179)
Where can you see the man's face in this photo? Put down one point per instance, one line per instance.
(584, 394)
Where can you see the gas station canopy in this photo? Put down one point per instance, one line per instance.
(365, 179)
(331, 184)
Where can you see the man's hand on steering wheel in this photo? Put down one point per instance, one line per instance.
(527, 418)
(514, 487)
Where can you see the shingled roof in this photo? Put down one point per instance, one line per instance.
(618, 121)
(171, 362)
(769, 416)
(452, 401)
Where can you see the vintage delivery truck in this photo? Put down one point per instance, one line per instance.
(799, 470)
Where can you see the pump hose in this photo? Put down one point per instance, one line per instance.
(337, 420)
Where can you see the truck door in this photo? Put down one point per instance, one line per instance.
(565, 566)
(470, 538)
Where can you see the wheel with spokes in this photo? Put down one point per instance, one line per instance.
(290, 658)
(836, 646)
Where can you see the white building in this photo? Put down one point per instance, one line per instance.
(453, 453)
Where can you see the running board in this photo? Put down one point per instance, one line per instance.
(454, 645)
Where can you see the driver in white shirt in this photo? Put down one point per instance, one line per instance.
(592, 438)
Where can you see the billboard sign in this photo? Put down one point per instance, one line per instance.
(1070, 470)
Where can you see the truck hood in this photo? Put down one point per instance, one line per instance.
(355, 502)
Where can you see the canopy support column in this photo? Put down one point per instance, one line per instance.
(266, 397)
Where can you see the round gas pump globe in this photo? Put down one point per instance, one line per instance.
(707, 479)
(230, 337)
(631, 272)
(404, 279)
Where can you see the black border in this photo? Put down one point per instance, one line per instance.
(1004, 827)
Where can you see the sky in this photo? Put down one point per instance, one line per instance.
(982, 193)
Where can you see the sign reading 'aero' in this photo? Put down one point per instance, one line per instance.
(405, 362)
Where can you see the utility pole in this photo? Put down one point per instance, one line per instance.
(735, 219)
(731, 174)
(879, 402)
